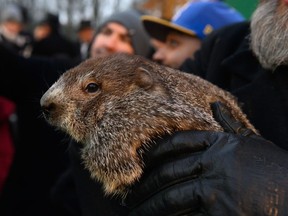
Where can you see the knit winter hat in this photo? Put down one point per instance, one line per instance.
(131, 19)
(12, 12)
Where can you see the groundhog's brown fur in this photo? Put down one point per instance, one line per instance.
(116, 104)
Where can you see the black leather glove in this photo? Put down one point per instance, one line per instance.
(213, 173)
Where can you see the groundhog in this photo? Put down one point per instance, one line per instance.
(116, 104)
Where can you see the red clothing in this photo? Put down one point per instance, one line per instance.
(7, 108)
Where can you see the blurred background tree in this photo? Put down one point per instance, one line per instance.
(70, 12)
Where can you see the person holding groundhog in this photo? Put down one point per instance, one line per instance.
(230, 173)
(219, 173)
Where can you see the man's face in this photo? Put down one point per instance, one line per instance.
(269, 33)
(41, 31)
(176, 49)
(112, 38)
(13, 27)
(86, 35)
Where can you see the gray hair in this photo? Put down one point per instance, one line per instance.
(269, 35)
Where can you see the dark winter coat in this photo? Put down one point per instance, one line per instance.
(56, 45)
(227, 61)
(40, 152)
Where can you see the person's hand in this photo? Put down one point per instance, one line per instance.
(213, 173)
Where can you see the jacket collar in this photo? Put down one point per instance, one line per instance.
(247, 61)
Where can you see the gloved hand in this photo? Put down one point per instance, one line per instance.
(213, 173)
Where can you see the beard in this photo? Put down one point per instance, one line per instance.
(269, 34)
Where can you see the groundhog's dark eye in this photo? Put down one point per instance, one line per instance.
(92, 87)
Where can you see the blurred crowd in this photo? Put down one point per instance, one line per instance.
(32, 154)
(44, 37)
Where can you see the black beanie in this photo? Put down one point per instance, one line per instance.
(131, 19)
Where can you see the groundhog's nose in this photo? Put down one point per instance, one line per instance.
(48, 109)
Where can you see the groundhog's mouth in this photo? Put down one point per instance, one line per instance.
(47, 118)
(53, 119)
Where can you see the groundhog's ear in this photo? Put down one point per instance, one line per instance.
(144, 78)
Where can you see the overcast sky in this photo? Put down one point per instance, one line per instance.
(107, 9)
